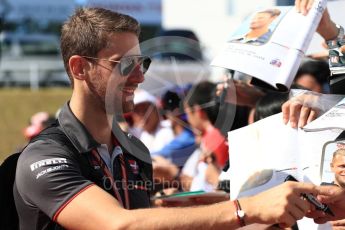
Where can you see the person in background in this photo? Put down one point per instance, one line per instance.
(269, 105)
(153, 131)
(202, 107)
(183, 144)
(313, 75)
(134, 119)
(38, 122)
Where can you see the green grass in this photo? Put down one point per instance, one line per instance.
(17, 106)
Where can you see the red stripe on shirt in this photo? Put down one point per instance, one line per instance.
(140, 187)
(68, 201)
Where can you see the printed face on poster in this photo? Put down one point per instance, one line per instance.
(259, 26)
(332, 168)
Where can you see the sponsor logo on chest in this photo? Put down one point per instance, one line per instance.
(134, 165)
(45, 162)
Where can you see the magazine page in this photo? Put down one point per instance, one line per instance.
(332, 119)
(271, 50)
(268, 152)
(310, 164)
(262, 155)
(310, 147)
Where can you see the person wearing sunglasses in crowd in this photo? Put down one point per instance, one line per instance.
(85, 173)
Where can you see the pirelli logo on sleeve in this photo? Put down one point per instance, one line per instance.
(46, 162)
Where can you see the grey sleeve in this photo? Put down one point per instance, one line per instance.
(48, 177)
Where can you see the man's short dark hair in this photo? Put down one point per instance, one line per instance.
(318, 69)
(88, 29)
(204, 95)
(270, 104)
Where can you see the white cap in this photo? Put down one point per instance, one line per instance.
(141, 95)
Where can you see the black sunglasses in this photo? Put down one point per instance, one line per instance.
(128, 63)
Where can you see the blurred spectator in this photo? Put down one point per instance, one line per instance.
(148, 125)
(135, 120)
(269, 105)
(313, 75)
(202, 107)
(183, 144)
(38, 122)
(124, 121)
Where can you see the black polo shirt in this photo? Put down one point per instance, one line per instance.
(50, 174)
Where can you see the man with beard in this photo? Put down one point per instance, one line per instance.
(85, 173)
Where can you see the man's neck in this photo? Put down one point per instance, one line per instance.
(256, 33)
(93, 116)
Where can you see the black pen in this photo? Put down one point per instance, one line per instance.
(318, 205)
(309, 197)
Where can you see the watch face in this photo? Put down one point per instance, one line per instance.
(240, 213)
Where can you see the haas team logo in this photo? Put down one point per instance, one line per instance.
(276, 62)
(134, 165)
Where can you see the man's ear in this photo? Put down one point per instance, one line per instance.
(78, 66)
(331, 166)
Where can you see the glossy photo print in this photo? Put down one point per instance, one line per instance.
(333, 163)
(258, 28)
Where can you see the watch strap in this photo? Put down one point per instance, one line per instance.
(340, 35)
(239, 213)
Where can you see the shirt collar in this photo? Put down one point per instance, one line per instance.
(76, 131)
(84, 142)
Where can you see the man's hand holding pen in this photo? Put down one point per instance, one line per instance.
(334, 198)
(317, 204)
(281, 205)
(312, 199)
